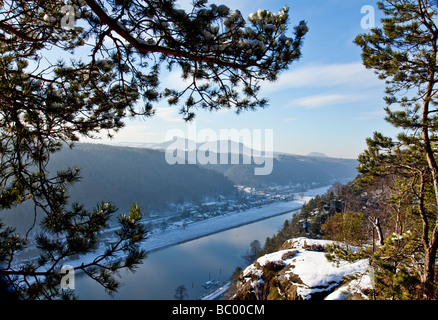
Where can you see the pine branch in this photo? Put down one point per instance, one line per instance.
(149, 48)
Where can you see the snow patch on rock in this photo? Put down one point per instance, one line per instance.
(301, 271)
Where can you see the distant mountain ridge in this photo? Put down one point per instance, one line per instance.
(317, 154)
(232, 145)
(316, 167)
(292, 170)
(190, 145)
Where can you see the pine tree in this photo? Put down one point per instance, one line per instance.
(348, 228)
(49, 98)
(181, 293)
(404, 53)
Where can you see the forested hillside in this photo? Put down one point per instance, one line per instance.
(125, 175)
(376, 220)
(292, 169)
(310, 170)
(310, 221)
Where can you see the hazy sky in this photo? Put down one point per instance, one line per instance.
(326, 102)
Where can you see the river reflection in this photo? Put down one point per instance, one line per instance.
(189, 264)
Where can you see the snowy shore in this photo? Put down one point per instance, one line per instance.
(200, 229)
(218, 224)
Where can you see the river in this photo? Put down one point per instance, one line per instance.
(190, 264)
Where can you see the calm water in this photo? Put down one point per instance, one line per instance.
(189, 264)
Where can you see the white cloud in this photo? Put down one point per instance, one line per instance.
(136, 133)
(348, 74)
(322, 100)
(129, 133)
(169, 114)
(173, 80)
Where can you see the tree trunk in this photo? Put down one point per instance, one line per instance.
(430, 247)
(428, 278)
(377, 226)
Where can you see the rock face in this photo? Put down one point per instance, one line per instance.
(300, 271)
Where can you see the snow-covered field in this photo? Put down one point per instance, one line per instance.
(217, 224)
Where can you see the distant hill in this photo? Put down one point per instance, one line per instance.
(317, 154)
(124, 175)
(314, 168)
(189, 145)
(292, 169)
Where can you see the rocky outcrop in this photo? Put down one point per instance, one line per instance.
(300, 271)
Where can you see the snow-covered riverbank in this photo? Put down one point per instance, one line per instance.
(164, 239)
(217, 224)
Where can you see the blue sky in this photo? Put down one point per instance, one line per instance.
(326, 102)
